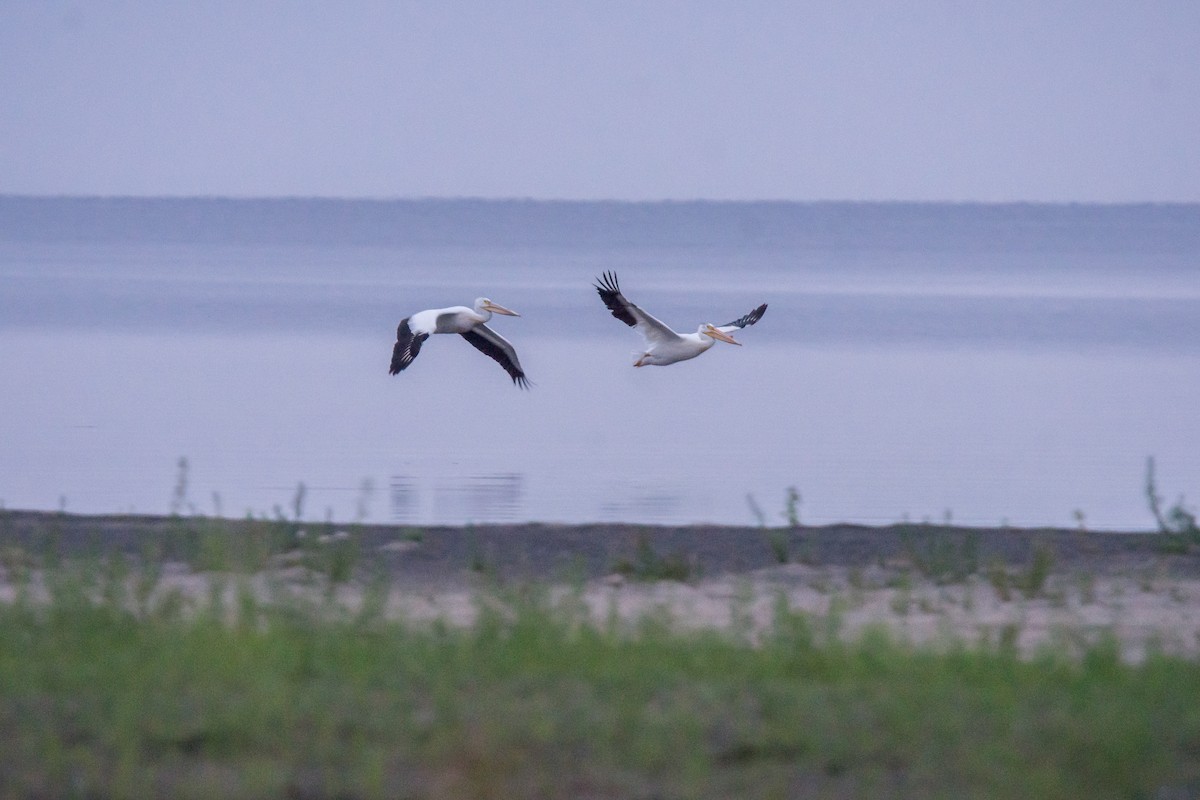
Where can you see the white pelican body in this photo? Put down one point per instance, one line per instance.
(467, 322)
(663, 345)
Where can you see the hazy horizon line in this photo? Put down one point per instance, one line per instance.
(585, 201)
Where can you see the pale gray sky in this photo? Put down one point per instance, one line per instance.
(1034, 100)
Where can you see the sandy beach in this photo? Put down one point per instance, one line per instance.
(927, 584)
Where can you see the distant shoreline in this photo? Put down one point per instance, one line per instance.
(525, 222)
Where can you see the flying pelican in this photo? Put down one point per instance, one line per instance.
(467, 322)
(663, 345)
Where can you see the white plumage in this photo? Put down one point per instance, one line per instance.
(468, 323)
(663, 345)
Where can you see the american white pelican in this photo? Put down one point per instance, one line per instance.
(663, 345)
(467, 322)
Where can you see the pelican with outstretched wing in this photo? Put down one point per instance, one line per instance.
(663, 345)
(468, 323)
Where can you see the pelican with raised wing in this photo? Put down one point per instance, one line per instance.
(468, 323)
(663, 345)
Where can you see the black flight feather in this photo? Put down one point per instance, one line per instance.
(406, 348)
(491, 349)
(610, 293)
(751, 318)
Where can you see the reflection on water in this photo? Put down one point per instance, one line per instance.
(457, 500)
(651, 506)
(405, 499)
(507, 497)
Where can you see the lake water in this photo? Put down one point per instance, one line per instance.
(983, 364)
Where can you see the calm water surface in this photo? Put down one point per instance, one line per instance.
(990, 384)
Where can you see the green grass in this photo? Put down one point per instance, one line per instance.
(942, 559)
(648, 564)
(103, 694)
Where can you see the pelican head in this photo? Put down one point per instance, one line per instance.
(708, 329)
(484, 304)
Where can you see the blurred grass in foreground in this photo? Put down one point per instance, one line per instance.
(106, 693)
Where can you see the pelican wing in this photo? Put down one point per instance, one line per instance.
(493, 345)
(408, 344)
(629, 313)
(741, 322)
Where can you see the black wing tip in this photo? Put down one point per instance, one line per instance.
(608, 283)
(519, 379)
(406, 347)
(399, 363)
(497, 354)
(610, 293)
(751, 318)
